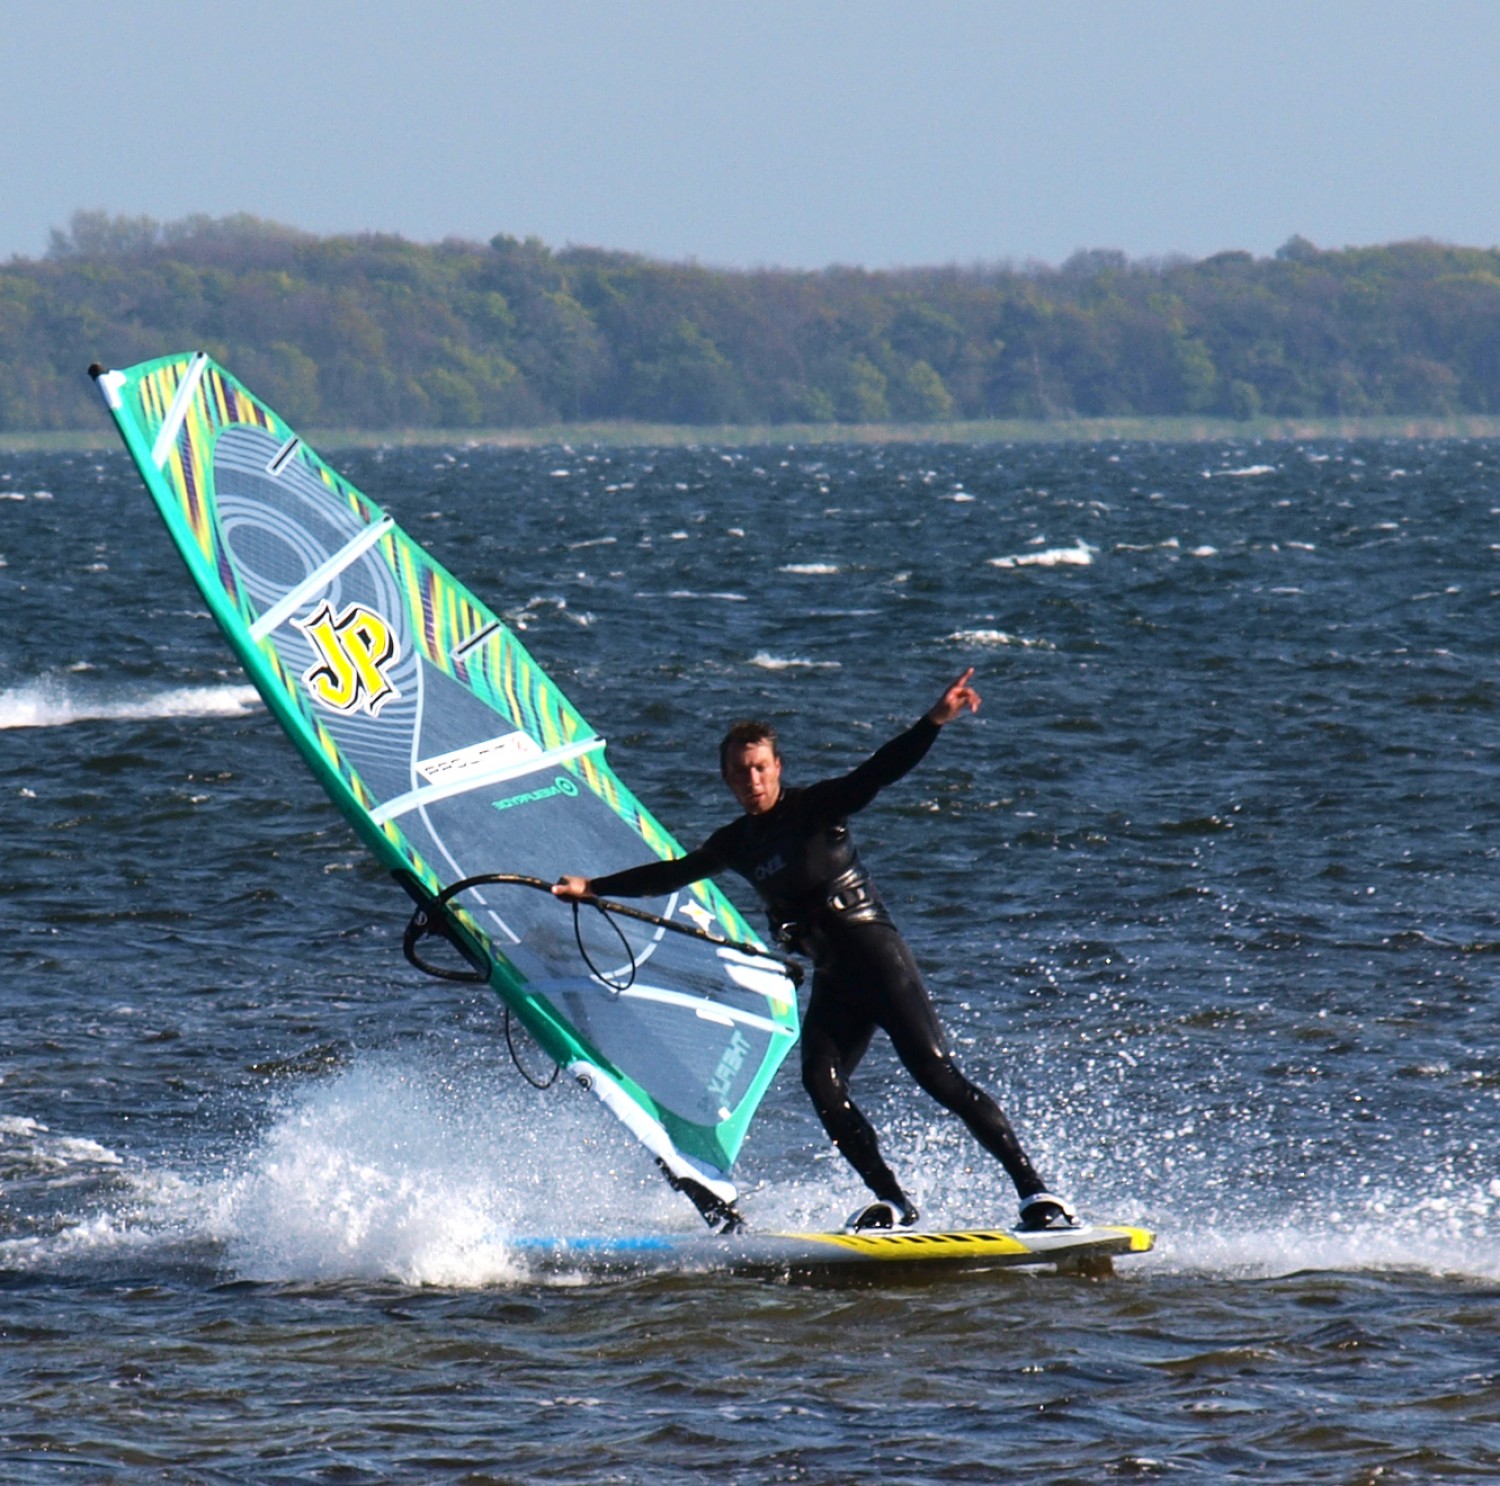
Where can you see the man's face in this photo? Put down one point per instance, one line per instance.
(753, 773)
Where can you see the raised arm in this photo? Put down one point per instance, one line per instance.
(834, 798)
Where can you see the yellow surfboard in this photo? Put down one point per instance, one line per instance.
(1088, 1248)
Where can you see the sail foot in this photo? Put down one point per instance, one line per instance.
(723, 1217)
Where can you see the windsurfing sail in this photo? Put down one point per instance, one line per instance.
(454, 756)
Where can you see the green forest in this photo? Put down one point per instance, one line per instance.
(375, 332)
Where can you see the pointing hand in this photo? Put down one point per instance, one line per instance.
(958, 698)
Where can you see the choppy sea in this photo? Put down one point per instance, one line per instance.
(1208, 893)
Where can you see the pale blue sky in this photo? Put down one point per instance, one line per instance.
(785, 132)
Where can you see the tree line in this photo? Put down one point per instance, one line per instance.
(375, 332)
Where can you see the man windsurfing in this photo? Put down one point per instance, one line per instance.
(794, 846)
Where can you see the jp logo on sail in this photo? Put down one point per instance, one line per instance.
(355, 648)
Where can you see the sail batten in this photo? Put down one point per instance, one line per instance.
(318, 580)
(468, 782)
(452, 754)
(177, 411)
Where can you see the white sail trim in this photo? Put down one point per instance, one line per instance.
(319, 578)
(109, 385)
(282, 457)
(649, 1132)
(756, 973)
(427, 794)
(167, 435)
(701, 1007)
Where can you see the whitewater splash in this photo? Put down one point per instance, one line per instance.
(402, 1170)
(51, 702)
(405, 1168)
(1452, 1234)
(395, 1168)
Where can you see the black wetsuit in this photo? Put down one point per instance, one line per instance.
(800, 858)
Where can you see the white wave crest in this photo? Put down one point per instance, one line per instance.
(791, 663)
(1079, 555)
(51, 702)
(27, 1145)
(693, 594)
(998, 638)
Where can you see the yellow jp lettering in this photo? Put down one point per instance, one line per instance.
(354, 649)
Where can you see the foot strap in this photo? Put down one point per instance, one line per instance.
(1044, 1210)
(884, 1214)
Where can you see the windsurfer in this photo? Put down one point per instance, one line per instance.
(793, 845)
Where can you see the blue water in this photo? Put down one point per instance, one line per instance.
(1207, 893)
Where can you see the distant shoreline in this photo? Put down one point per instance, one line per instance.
(625, 435)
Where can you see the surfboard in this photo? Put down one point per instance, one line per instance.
(1089, 1248)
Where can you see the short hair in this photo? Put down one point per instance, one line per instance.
(744, 734)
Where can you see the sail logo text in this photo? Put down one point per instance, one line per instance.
(730, 1064)
(562, 785)
(355, 650)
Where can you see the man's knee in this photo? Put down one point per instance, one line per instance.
(940, 1077)
(826, 1085)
